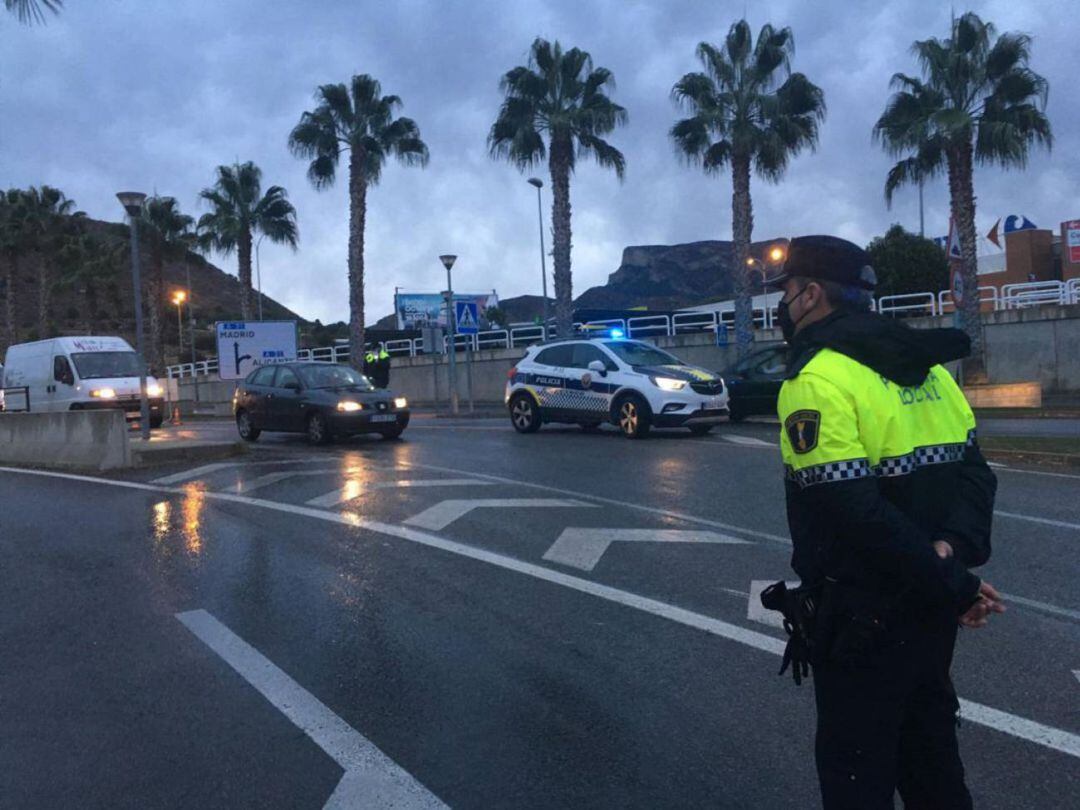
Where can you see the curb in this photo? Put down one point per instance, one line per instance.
(167, 453)
(1033, 457)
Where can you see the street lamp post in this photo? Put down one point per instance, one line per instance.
(191, 332)
(132, 202)
(775, 256)
(179, 297)
(538, 183)
(448, 262)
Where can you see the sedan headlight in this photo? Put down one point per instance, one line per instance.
(668, 384)
(154, 390)
(103, 393)
(348, 406)
(401, 402)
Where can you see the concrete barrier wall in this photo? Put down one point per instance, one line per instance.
(1041, 344)
(77, 440)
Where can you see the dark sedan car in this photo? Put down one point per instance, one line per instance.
(754, 382)
(323, 400)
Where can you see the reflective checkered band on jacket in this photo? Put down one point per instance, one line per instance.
(886, 468)
(833, 471)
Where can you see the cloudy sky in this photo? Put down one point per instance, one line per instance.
(153, 94)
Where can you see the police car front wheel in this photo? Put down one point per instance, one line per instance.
(633, 417)
(524, 415)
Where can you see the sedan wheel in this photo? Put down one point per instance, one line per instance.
(244, 427)
(318, 432)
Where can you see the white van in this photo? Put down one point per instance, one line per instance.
(76, 374)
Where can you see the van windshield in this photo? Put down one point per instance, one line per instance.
(98, 365)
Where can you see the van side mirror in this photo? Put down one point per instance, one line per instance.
(598, 367)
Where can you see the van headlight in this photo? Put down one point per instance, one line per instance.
(348, 406)
(103, 393)
(400, 403)
(668, 383)
(154, 390)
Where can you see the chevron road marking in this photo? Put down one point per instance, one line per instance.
(444, 513)
(583, 548)
(351, 490)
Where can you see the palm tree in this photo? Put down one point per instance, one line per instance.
(32, 11)
(357, 119)
(47, 218)
(978, 101)
(561, 96)
(171, 236)
(741, 116)
(240, 211)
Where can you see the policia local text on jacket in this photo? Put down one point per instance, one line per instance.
(881, 461)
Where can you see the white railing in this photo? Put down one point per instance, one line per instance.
(1011, 296)
(1032, 294)
(911, 303)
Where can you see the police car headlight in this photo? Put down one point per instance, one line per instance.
(348, 406)
(668, 384)
(401, 402)
(103, 393)
(154, 390)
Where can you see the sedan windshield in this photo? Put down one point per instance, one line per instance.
(99, 365)
(330, 375)
(641, 354)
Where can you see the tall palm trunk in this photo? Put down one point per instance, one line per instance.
(962, 193)
(560, 223)
(742, 226)
(357, 216)
(154, 295)
(243, 251)
(11, 330)
(44, 299)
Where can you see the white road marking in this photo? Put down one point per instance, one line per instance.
(997, 464)
(1032, 519)
(776, 538)
(350, 492)
(371, 778)
(748, 441)
(1047, 736)
(242, 486)
(1033, 603)
(757, 612)
(206, 469)
(583, 548)
(444, 513)
(1038, 472)
(1076, 672)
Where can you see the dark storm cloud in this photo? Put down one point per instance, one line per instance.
(152, 95)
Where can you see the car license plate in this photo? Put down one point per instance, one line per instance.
(713, 404)
(384, 417)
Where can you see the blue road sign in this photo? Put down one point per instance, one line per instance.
(467, 316)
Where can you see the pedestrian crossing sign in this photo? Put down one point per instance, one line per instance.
(466, 314)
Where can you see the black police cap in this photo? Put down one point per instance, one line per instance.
(826, 258)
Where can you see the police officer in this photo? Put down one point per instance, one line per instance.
(889, 503)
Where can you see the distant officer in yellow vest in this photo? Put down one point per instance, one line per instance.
(889, 503)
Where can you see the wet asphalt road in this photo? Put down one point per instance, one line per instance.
(493, 671)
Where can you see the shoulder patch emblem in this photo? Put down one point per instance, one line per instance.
(802, 430)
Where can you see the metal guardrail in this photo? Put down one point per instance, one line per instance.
(15, 390)
(1010, 296)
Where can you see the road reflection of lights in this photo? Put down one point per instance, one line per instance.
(192, 508)
(162, 518)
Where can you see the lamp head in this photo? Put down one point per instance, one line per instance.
(132, 201)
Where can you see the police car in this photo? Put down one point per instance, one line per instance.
(632, 384)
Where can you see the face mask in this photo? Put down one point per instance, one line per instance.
(783, 316)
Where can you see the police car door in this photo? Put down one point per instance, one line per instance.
(588, 392)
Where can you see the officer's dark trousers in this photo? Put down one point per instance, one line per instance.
(891, 725)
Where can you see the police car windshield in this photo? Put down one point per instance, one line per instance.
(333, 376)
(641, 354)
(99, 365)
